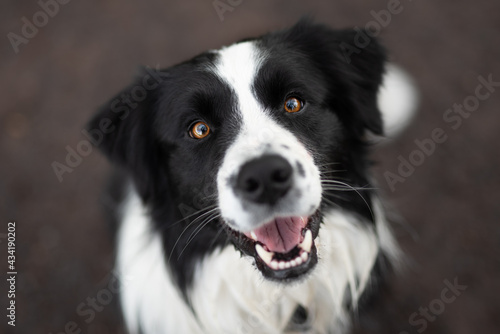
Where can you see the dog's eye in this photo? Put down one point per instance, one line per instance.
(199, 130)
(293, 104)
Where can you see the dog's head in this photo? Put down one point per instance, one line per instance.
(252, 143)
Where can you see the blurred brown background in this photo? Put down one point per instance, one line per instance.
(89, 50)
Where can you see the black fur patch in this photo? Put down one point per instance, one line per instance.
(175, 174)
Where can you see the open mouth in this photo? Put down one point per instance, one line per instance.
(284, 247)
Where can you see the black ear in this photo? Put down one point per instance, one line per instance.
(362, 62)
(352, 63)
(122, 130)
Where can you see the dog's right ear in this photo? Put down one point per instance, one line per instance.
(121, 130)
(353, 72)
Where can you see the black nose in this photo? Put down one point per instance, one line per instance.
(265, 180)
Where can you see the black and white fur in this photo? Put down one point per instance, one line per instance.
(195, 271)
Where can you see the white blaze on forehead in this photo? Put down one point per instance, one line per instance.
(238, 64)
(259, 134)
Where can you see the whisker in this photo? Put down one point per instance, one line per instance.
(329, 163)
(187, 227)
(344, 185)
(329, 187)
(326, 175)
(199, 227)
(216, 237)
(330, 194)
(331, 202)
(356, 189)
(199, 230)
(191, 215)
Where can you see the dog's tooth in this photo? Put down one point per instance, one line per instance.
(288, 265)
(299, 261)
(281, 265)
(264, 255)
(307, 243)
(293, 263)
(253, 235)
(304, 256)
(274, 265)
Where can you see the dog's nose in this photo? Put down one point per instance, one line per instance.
(264, 180)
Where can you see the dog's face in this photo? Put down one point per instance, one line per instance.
(260, 138)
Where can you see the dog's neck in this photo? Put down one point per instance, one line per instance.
(229, 294)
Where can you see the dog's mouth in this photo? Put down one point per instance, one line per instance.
(283, 248)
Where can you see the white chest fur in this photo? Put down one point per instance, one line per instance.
(229, 294)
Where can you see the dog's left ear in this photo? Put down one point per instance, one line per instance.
(352, 63)
(122, 128)
(361, 62)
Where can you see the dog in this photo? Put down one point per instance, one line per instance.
(246, 203)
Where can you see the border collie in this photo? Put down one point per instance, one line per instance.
(248, 206)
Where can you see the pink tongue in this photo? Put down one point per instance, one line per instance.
(282, 234)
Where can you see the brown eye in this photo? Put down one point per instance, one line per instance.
(293, 104)
(199, 130)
